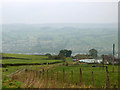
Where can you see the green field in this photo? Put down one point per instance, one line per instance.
(27, 59)
(99, 73)
(21, 59)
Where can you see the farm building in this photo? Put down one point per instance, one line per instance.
(90, 61)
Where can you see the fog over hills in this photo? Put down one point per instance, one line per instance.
(51, 38)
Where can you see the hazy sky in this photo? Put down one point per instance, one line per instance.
(33, 12)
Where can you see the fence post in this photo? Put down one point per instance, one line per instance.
(71, 76)
(63, 75)
(92, 80)
(47, 76)
(76, 83)
(57, 75)
(80, 75)
(103, 60)
(40, 74)
(36, 73)
(51, 74)
(107, 78)
(113, 55)
(43, 72)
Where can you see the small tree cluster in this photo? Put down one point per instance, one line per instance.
(65, 53)
(93, 53)
(62, 55)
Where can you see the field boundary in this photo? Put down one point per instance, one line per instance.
(4, 65)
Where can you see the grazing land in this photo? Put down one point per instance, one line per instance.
(26, 59)
(57, 75)
(21, 60)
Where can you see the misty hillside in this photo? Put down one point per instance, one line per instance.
(51, 38)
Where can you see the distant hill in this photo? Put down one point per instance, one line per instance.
(51, 38)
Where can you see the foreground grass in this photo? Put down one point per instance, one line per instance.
(99, 75)
(33, 79)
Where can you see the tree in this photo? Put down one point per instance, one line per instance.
(49, 55)
(69, 52)
(65, 52)
(93, 53)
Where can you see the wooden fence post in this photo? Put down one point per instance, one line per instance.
(113, 55)
(57, 75)
(51, 74)
(107, 78)
(92, 80)
(71, 76)
(103, 59)
(80, 75)
(63, 75)
(40, 74)
(76, 83)
(47, 76)
(43, 73)
(36, 73)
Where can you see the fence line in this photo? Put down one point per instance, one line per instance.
(44, 74)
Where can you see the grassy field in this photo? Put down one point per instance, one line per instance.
(26, 59)
(99, 75)
(25, 56)
(20, 59)
(33, 76)
(6, 79)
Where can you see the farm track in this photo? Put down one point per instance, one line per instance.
(31, 79)
(18, 71)
(23, 69)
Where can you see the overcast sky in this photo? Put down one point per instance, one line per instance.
(33, 12)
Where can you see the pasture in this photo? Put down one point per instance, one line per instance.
(58, 75)
(21, 60)
(25, 59)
